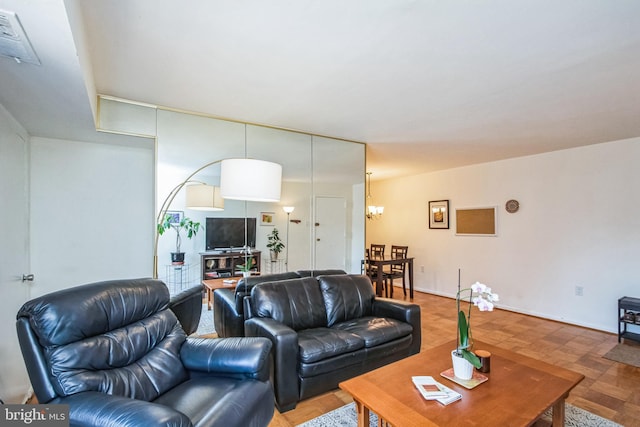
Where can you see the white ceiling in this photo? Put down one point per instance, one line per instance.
(428, 85)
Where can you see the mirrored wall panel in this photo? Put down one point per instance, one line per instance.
(322, 180)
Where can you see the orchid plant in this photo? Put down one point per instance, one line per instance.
(481, 296)
(246, 267)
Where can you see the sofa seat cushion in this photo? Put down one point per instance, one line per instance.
(375, 330)
(346, 362)
(322, 343)
(210, 400)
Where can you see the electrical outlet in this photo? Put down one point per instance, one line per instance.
(422, 269)
(579, 291)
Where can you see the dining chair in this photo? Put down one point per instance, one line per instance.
(364, 264)
(376, 251)
(397, 271)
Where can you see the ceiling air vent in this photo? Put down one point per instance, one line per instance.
(14, 42)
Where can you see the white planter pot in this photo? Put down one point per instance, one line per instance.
(246, 274)
(462, 368)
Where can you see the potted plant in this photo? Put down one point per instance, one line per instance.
(189, 226)
(246, 267)
(464, 360)
(274, 244)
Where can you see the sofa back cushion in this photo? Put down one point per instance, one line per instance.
(296, 303)
(346, 297)
(244, 286)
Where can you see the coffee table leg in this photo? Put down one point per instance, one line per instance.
(363, 414)
(209, 299)
(558, 413)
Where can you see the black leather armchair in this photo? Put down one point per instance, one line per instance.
(117, 355)
(228, 309)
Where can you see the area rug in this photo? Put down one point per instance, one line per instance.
(625, 353)
(345, 416)
(205, 326)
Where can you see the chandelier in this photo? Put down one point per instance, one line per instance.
(373, 212)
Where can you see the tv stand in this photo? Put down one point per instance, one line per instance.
(224, 264)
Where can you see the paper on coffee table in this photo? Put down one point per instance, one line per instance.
(431, 389)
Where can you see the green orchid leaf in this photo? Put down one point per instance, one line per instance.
(463, 329)
(472, 358)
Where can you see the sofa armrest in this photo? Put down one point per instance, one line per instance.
(235, 357)
(187, 306)
(405, 312)
(92, 408)
(285, 358)
(228, 321)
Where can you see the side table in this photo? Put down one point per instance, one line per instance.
(271, 267)
(628, 314)
(177, 277)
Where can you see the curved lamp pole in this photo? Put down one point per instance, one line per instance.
(288, 210)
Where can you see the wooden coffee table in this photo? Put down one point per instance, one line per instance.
(519, 390)
(213, 284)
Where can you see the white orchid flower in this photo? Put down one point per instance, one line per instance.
(479, 287)
(484, 305)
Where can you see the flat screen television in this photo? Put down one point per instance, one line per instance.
(224, 234)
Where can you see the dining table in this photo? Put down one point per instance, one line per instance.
(377, 266)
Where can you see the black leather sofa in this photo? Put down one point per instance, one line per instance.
(117, 355)
(327, 329)
(228, 309)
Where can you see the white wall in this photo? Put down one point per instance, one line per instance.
(14, 259)
(578, 225)
(91, 212)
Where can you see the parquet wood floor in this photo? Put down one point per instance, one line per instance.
(610, 389)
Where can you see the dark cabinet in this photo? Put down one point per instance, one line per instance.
(629, 314)
(226, 264)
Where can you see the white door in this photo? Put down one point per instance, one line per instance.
(14, 259)
(330, 233)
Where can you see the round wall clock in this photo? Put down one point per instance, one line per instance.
(512, 206)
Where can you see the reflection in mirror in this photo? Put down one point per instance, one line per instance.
(323, 179)
(185, 142)
(293, 151)
(338, 197)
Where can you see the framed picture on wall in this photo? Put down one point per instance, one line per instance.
(439, 214)
(266, 218)
(176, 216)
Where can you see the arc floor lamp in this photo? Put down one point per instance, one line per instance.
(240, 179)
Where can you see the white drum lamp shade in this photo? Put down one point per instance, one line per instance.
(204, 197)
(251, 180)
